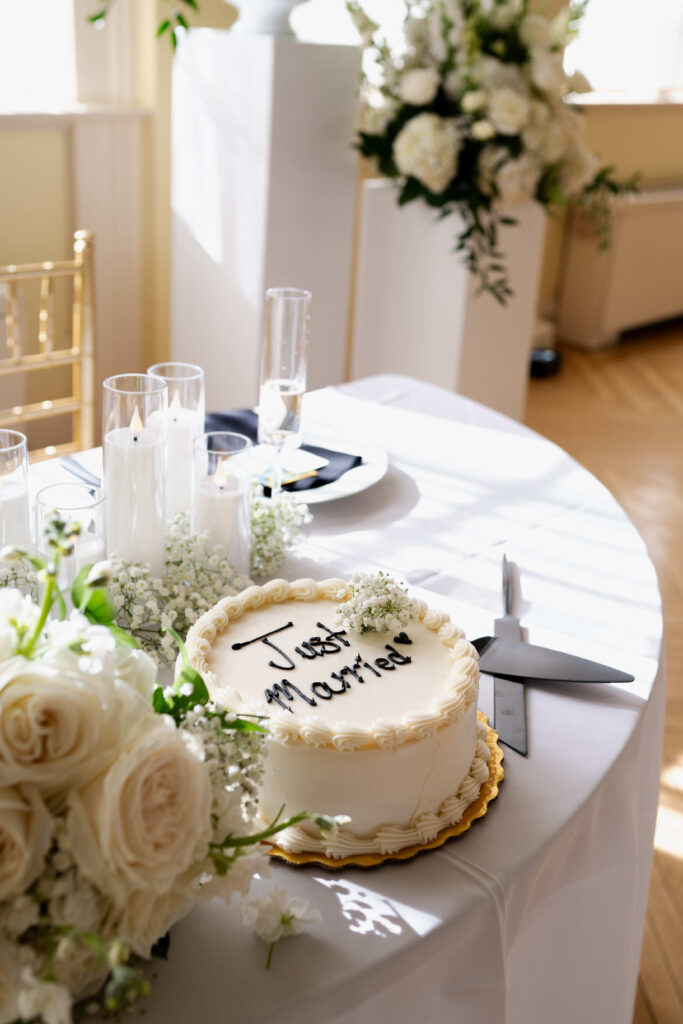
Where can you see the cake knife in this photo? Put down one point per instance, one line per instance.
(509, 698)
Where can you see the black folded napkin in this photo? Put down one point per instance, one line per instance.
(245, 421)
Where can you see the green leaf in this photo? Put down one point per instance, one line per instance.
(163, 27)
(122, 636)
(94, 602)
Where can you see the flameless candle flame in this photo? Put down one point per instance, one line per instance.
(175, 406)
(220, 477)
(135, 424)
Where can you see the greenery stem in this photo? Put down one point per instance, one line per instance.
(44, 612)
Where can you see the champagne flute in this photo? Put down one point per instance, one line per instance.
(283, 373)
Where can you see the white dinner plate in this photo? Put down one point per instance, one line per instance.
(372, 468)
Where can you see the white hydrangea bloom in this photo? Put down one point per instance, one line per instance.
(46, 1000)
(427, 148)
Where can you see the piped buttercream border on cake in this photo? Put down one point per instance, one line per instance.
(491, 774)
(460, 689)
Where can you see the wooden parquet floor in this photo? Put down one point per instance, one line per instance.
(620, 413)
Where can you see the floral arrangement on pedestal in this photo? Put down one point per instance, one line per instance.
(472, 113)
(122, 804)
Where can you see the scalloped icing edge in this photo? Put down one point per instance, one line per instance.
(461, 689)
(477, 809)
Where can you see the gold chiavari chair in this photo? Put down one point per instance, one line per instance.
(22, 364)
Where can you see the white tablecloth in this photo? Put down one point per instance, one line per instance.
(535, 914)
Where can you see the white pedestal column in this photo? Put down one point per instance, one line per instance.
(416, 310)
(264, 180)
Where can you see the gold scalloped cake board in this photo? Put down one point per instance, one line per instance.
(487, 793)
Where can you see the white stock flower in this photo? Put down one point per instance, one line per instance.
(144, 822)
(48, 1001)
(419, 86)
(535, 30)
(25, 835)
(577, 169)
(9, 981)
(59, 729)
(546, 70)
(577, 82)
(14, 606)
(427, 148)
(277, 914)
(508, 110)
(517, 180)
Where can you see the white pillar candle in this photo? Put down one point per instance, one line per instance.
(182, 426)
(134, 482)
(14, 513)
(220, 506)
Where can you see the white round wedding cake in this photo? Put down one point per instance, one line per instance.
(381, 727)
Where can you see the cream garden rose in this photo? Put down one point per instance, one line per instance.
(25, 833)
(426, 148)
(508, 110)
(58, 729)
(140, 825)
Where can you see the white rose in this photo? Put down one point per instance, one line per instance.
(483, 130)
(508, 110)
(517, 180)
(25, 834)
(59, 729)
(144, 822)
(10, 969)
(419, 86)
(577, 169)
(578, 82)
(546, 71)
(427, 148)
(491, 159)
(535, 30)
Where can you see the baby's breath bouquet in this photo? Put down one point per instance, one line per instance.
(472, 113)
(122, 803)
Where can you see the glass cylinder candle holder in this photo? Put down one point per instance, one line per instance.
(82, 506)
(134, 423)
(15, 525)
(184, 422)
(221, 494)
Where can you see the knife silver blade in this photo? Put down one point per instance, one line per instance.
(509, 698)
(515, 659)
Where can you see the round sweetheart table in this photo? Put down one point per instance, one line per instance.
(536, 913)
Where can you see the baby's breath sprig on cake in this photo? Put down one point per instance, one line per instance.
(377, 603)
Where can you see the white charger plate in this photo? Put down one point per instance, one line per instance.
(372, 468)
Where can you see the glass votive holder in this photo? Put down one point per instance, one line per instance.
(15, 524)
(134, 426)
(184, 422)
(81, 505)
(221, 493)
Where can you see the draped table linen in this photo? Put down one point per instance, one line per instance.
(537, 912)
